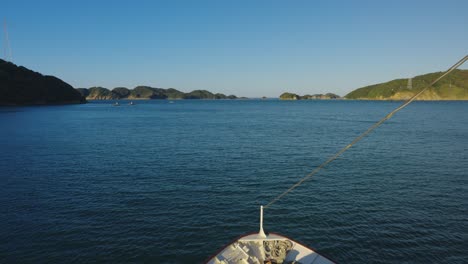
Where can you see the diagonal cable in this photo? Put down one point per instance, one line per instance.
(370, 129)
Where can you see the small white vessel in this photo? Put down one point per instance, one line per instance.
(260, 248)
(116, 104)
(131, 103)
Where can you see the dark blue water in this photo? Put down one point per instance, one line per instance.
(172, 183)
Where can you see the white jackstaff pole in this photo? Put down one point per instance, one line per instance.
(261, 233)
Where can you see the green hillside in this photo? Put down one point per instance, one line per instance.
(293, 96)
(453, 87)
(22, 86)
(146, 92)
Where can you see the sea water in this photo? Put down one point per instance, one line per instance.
(174, 182)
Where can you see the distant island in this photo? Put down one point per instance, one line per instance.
(452, 87)
(21, 86)
(292, 96)
(147, 92)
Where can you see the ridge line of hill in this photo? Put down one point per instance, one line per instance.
(22, 86)
(147, 92)
(453, 87)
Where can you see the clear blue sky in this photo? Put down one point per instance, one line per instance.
(248, 48)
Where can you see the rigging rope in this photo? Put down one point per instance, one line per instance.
(370, 129)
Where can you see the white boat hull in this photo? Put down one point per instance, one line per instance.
(273, 248)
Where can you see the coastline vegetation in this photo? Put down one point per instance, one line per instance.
(453, 87)
(147, 92)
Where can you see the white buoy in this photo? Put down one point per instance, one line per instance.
(261, 233)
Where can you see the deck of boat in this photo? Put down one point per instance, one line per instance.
(273, 248)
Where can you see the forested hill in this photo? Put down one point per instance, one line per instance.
(147, 92)
(22, 86)
(453, 87)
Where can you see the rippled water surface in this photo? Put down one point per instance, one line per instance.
(169, 182)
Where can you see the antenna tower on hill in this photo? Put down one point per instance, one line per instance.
(6, 43)
(410, 84)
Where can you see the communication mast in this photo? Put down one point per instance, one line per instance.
(410, 84)
(6, 43)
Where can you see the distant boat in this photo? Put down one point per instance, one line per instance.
(131, 103)
(171, 102)
(116, 104)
